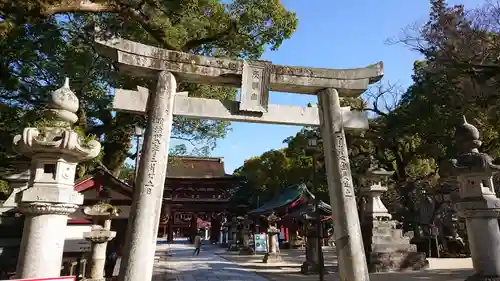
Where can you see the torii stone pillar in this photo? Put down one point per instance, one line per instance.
(256, 79)
(140, 241)
(348, 238)
(55, 150)
(479, 204)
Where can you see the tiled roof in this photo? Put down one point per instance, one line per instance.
(287, 196)
(195, 167)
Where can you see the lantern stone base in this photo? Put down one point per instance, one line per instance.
(246, 250)
(397, 261)
(233, 247)
(388, 250)
(309, 268)
(272, 258)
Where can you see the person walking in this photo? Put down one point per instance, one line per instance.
(197, 244)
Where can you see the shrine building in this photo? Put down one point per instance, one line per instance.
(197, 190)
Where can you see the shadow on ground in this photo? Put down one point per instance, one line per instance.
(231, 266)
(289, 270)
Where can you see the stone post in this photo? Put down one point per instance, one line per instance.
(246, 249)
(386, 248)
(479, 204)
(312, 263)
(140, 242)
(272, 231)
(55, 150)
(99, 236)
(233, 229)
(348, 239)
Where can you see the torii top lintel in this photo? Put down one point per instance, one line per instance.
(143, 60)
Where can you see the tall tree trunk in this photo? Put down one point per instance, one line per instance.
(117, 142)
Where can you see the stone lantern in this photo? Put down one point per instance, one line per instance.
(386, 248)
(308, 214)
(245, 249)
(478, 202)
(374, 208)
(233, 228)
(101, 214)
(55, 150)
(272, 231)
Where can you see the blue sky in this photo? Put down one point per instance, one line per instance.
(332, 34)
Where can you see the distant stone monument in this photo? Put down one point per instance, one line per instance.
(99, 236)
(233, 234)
(245, 248)
(272, 231)
(387, 249)
(478, 205)
(223, 234)
(233, 229)
(55, 150)
(313, 263)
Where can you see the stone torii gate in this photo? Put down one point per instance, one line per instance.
(256, 79)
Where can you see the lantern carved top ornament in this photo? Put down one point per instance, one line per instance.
(272, 221)
(53, 134)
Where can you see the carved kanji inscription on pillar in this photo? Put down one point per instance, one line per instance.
(344, 166)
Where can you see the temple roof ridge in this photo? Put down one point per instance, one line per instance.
(202, 158)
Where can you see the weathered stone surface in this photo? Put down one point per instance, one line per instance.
(138, 259)
(191, 107)
(374, 207)
(349, 242)
(388, 250)
(397, 261)
(254, 94)
(143, 60)
(478, 204)
(55, 150)
(312, 264)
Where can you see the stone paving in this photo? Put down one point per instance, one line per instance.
(182, 266)
(216, 264)
(288, 270)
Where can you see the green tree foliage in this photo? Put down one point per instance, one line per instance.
(43, 41)
(412, 131)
